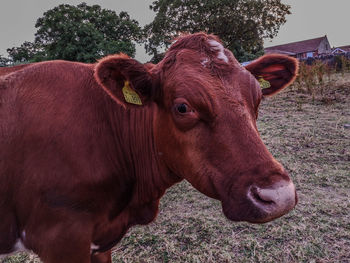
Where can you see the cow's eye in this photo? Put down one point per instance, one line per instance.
(185, 117)
(182, 108)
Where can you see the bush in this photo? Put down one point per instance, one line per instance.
(323, 80)
(313, 79)
(342, 63)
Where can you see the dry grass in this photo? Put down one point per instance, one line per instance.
(306, 135)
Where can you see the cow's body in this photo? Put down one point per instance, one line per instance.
(8, 70)
(79, 166)
(88, 172)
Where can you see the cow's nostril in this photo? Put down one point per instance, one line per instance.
(259, 197)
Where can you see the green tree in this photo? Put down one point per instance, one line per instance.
(4, 61)
(80, 33)
(27, 52)
(242, 25)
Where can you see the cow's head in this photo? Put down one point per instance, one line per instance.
(205, 108)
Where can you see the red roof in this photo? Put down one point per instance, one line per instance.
(297, 47)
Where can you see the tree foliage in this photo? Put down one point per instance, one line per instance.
(28, 51)
(242, 25)
(4, 61)
(79, 33)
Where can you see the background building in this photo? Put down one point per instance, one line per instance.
(303, 49)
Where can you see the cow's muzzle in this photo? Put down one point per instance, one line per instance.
(274, 201)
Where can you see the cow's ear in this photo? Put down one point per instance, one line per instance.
(127, 81)
(274, 72)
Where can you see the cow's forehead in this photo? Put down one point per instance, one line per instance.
(206, 48)
(220, 51)
(200, 62)
(200, 70)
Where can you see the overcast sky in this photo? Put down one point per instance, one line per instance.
(309, 19)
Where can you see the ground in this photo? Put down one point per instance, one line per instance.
(307, 135)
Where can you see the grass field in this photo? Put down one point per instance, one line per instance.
(309, 138)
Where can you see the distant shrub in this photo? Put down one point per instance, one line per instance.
(320, 77)
(342, 64)
(313, 79)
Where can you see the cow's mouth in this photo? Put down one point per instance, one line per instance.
(262, 205)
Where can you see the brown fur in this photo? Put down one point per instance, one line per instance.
(79, 165)
(8, 70)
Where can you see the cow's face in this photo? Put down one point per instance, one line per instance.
(205, 122)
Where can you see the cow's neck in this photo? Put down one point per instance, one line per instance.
(141, 159)
(140, 166)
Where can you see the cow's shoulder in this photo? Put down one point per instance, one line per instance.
(8, 70)
(49, 71)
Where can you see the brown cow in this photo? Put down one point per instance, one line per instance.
(87, 151)
(8, 70)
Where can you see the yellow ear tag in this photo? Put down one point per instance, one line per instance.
(130, 95)
(264, 84)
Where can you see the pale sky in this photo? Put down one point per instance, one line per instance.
(309, 19)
